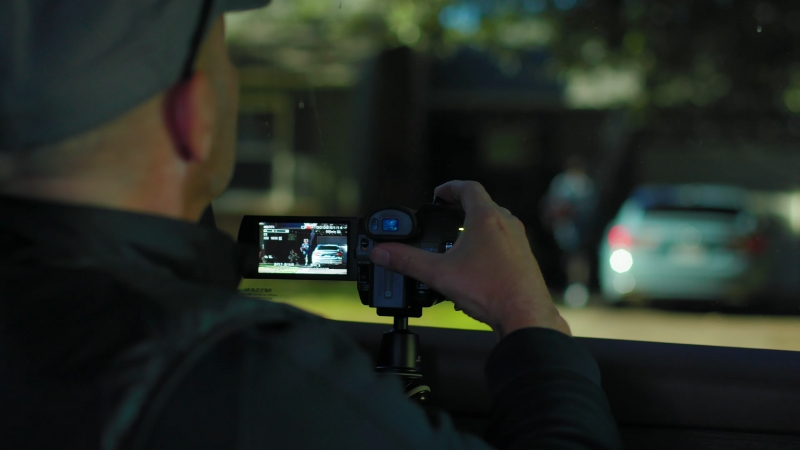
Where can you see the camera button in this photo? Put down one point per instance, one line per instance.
(363, 273)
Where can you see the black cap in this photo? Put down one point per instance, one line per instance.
(68, 66)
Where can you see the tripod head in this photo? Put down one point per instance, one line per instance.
(398, 355)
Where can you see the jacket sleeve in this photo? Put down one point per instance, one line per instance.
(546, 394)
(307, 385)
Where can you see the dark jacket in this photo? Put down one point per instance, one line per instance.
(122, 330)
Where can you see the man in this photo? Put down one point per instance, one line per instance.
(568, 209)
(305, 249)
(117, 123)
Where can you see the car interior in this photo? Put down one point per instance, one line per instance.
(648, 93)
(663, 395)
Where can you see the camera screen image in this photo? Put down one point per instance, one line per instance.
(303, 248)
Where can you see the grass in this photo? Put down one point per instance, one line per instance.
(338, 300)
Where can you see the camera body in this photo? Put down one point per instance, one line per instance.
(338, 248)
(433, 228)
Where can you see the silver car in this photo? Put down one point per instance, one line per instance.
(327, 254)
(682, 242)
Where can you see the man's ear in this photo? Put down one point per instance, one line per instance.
(190, 110)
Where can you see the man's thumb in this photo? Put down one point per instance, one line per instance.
(406, 260)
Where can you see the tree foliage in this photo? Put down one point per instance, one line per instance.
(710, 54)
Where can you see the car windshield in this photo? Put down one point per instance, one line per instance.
(649, 147)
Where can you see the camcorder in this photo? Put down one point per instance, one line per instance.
(337, 248)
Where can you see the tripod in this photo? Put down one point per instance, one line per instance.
(398, 356)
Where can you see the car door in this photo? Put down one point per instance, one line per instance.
(664, 396)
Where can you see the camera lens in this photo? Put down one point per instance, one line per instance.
(391, 224)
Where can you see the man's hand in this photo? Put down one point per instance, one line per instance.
(490, 273)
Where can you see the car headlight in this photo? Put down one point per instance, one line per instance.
(621, 261)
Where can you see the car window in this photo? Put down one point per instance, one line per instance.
(649, 147)
(693, 209)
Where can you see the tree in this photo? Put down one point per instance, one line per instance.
(736, 55)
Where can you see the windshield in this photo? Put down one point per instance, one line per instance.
(649, 147)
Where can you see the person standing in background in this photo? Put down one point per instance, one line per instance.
(305, 249)
(569, 208)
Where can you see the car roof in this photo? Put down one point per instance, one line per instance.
(688, 196)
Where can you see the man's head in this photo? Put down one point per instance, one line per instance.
(164, 143)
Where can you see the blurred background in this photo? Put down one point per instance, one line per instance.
(650, 147)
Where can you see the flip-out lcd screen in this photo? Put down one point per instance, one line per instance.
(303, 248)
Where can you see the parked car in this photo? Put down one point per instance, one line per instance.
(695, 242)
(328, 255)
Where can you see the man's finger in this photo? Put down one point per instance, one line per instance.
(470, 194)
(403, 259)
